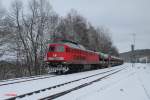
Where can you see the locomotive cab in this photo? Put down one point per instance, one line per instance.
(56, 52)
(56, 58)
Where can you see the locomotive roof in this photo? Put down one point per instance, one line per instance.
(68, 41)
(72, 44)
(78, 46)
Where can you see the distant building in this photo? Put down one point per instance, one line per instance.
(140, 56)
(145, 59)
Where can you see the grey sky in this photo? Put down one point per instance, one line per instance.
(121, 17)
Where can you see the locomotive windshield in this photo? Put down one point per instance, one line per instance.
(59, 49)
(51, 48)
(56, 48)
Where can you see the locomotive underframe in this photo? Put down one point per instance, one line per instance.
(62, 68)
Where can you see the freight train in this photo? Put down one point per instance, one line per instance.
(68, 56)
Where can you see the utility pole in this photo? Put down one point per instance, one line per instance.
(133, 58)
(134, 35)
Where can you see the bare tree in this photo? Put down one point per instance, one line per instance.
(33, 31)
(6, 25)
(38, 28)
(76, 28)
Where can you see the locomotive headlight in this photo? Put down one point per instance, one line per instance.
(54, 55)
(55, 58)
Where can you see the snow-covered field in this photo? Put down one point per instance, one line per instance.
(132, 83)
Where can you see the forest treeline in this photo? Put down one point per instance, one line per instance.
(25, 32)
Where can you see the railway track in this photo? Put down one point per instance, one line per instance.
(54, 96)
(21, 78)
(110, 72)
(25, 79)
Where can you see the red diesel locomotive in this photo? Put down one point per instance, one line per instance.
(69, 56)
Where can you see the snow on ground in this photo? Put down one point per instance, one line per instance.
(26, 87)
(130, 84)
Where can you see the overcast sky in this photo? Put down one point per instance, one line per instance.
(121, 17)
